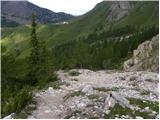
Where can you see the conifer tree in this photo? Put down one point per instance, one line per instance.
(34, 59)
(40, 71)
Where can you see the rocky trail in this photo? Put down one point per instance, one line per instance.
(88, 94)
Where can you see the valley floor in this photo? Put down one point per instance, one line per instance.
(85, 94)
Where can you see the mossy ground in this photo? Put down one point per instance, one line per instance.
(119, 111)
(74, 73)
(145, 103)
(73, 94)
(103, 89)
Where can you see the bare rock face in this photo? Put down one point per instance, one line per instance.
(145, 57)
(118, 9)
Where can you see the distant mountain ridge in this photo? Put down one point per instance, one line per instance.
(19, 12)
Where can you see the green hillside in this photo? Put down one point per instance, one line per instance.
(144, 13)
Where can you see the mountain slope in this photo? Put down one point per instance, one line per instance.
(83, 25)
(143, 13)
(19, 12)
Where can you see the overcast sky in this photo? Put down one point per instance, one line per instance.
(74, 7)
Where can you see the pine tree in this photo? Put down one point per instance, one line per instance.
(34, 59)
(40, 71)
(43, 55)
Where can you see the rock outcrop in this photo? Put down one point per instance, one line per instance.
(145, 57)
(88, 90)
(118, 9)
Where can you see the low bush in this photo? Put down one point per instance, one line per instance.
(73, 94)
(23, 99)
(74, 73)
(16, 104)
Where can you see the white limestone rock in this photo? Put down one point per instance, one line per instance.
(88, 90)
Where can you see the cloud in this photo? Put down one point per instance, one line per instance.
(75, 7)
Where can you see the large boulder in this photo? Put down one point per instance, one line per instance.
(121, 100)
(109, 103)
(116, 98)
(50, 90)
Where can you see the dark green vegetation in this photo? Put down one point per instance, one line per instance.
(88, 41)
(145, 92)
(93, 96)
(103, 89)
(100, 51)
(143, 103)
(55, 85)
(15, 100)
(27, 110)
(74, 73)
(118, 110)
(39, 69)
(74, 113)
(73, 94)
(17, 87)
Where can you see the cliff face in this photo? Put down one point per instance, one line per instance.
(118, 9)
(146, 57)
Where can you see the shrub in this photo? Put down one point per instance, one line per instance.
(145, 92)
(22, 99)
(8, 108)
(74, 73)
(93, 96)
(56, 85)
(16, 104)
(47, 79)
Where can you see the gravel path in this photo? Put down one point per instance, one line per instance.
(51, 104)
